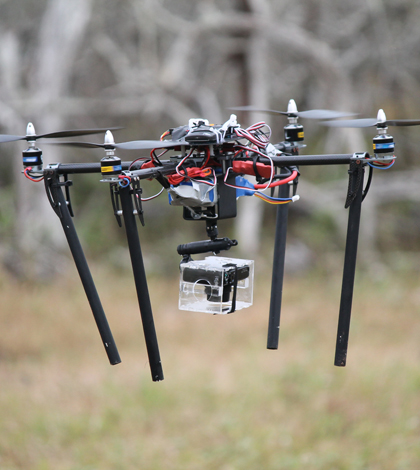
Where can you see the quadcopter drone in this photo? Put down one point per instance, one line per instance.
(204, 168)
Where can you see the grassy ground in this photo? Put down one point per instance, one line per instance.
(226, 402)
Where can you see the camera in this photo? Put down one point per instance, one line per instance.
(216, 285)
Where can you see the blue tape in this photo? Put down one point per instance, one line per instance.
(241, 181)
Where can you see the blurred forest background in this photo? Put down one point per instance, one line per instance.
(153, 64)
(226, 403)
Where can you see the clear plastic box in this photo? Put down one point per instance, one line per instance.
(209, 285)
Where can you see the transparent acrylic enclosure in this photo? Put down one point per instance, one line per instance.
(215, 284)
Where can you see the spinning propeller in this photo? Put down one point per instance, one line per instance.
(197, 133)
(292, 112)
(109, 144)
(380, 122)
(31, 136)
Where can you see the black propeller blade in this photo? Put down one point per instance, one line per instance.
(31, 136)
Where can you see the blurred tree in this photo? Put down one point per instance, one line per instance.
(153, 64)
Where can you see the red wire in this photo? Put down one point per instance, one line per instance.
(278, 182)
(136, 160)
(25, 172)
(383, 163)
(122, 177)
(190, 173)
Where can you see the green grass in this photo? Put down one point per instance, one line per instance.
(226, 402)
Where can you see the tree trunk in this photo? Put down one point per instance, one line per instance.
(38, 234)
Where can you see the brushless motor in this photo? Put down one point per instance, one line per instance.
(293, 133)
(383, 145)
